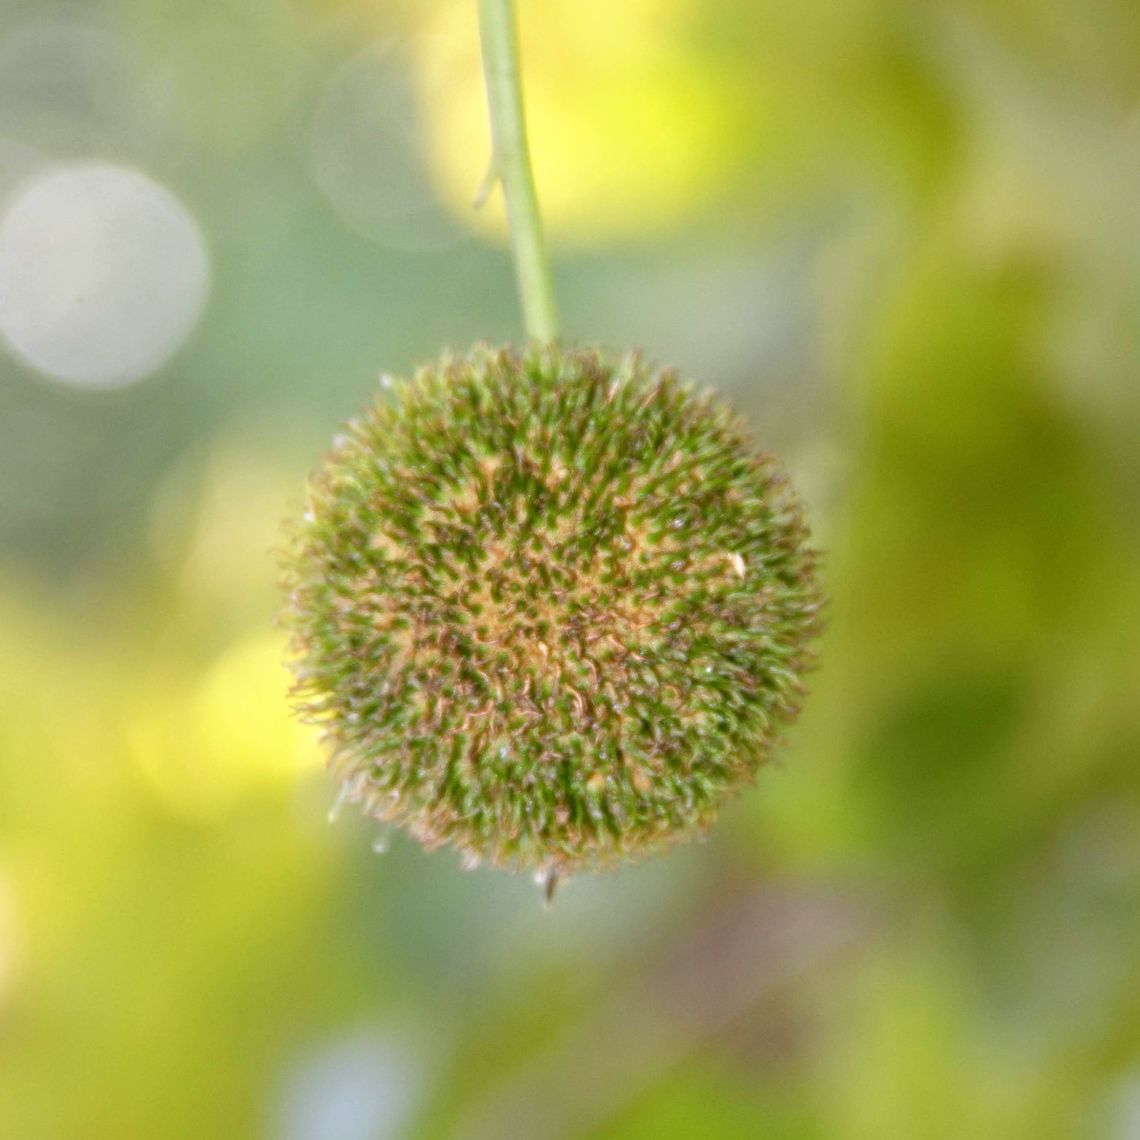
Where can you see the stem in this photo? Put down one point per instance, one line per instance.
(511, 166)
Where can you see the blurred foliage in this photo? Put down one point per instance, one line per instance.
(906, 241)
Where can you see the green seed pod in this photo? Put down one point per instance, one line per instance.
(550, 607)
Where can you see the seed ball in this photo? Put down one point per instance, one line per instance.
(551, 607)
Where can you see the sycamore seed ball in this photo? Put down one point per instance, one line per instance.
(550, 607)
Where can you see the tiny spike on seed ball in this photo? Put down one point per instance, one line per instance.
(550, 606)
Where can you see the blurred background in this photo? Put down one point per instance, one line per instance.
(904, 239)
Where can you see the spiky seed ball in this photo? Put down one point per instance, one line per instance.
(551, 607)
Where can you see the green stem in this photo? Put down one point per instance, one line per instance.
(511, 166)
